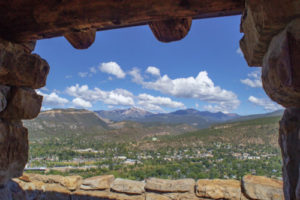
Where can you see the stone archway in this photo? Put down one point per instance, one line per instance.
(271, 40)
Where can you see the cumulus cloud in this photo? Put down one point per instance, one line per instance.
(78, 102)
(153, 70)
(53, 99)
(200, 87)
(136, 76)
(149, 102)
(114, 97)
(253, 80)
(267, 104)
(112, 68)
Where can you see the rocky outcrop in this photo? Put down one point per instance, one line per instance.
(259, 187)
(106, 187)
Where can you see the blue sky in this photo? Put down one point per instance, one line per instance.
(129, 67)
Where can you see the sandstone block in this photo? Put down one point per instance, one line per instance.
(128, 186)
(13, 150)
(96, 195)
(81, 39)
(280, 73)
(163, 185)
(69, 182)
(219, 189)
(259, 187)
(18, 68)
(263, 19)
(153, 196)
(97, 182)
(23, 103)
(172, 29)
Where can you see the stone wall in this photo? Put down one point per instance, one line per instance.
(107, 187)
(21, 72)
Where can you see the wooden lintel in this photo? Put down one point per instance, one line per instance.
(27, 20)
(172, 29)
(81, 39)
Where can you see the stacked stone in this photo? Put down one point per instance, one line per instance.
(21, 72)
(272, 40)
(107, 187)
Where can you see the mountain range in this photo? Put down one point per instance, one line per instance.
(121, 125)
(193, 117)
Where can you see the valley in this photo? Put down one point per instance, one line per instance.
(82, 142)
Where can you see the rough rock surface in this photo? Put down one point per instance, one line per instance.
(13, 150)
(258, 187)
(163, 185)
(97, 182)
(128, 186)
(81, 39)
(105, 195)
(290, 147)
(172, 29)
(280, 74)
(23, 103)
(69, 182)
(219, 189)
(18, 68)
(261, 21)
(41, 187)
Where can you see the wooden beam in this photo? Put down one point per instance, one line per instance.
(27, 20)
(81, 39)
(172, 29)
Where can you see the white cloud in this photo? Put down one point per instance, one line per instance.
(93, 70)
(114, 97)
(136, 76)
(83, 74)
(254, 79)
(200, 87)
(153, 70)
(267, 104)
(221, 107)
(78, 102)
(53, 99)
(149, 102)
(112, 68)
(239, 51)
(68, 76)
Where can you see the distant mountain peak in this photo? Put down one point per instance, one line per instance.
(124, 114)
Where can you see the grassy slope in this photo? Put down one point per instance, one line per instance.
(255, 131)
